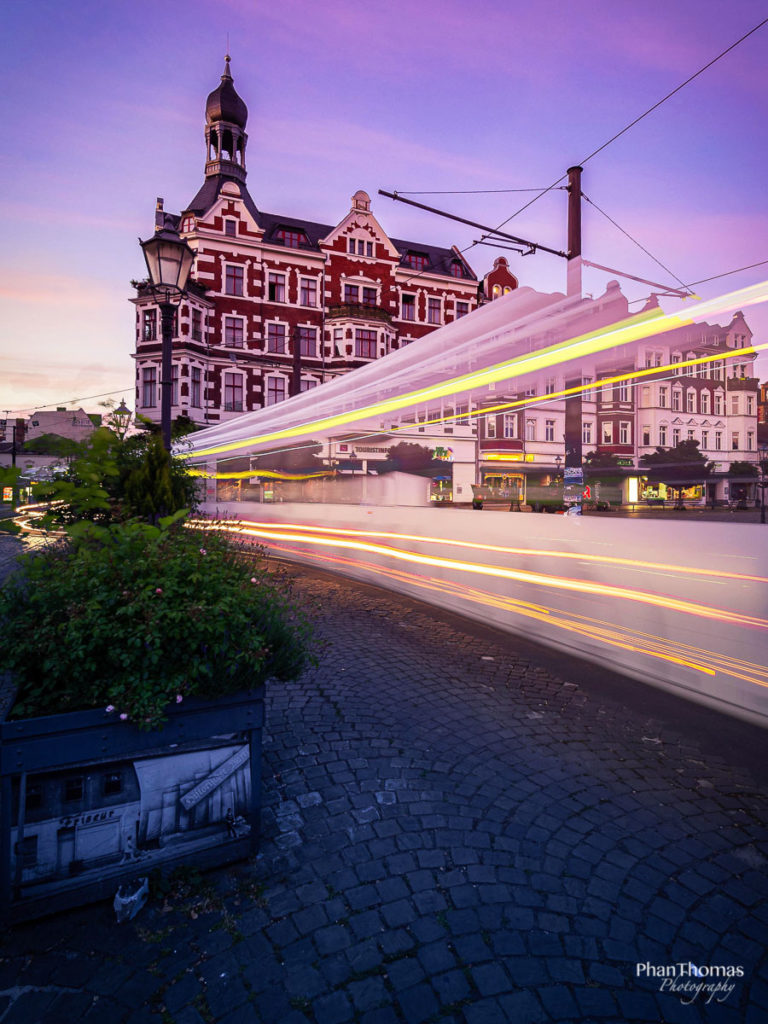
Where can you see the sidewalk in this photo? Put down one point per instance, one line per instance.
(453, 832)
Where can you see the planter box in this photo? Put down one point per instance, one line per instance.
(89, 802)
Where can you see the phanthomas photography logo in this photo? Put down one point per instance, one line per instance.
(690, 982)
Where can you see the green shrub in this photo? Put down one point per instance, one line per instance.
(133, 617)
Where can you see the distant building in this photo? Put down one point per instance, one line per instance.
(75, 424)
(277, 304)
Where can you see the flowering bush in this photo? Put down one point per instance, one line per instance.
(133, 617)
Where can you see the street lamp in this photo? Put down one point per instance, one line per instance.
(121, 419)
(763, 457)
(169, 260)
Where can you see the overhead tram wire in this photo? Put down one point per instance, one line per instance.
(71, 401)
(638, 244)
(470, 191)
(637, 120)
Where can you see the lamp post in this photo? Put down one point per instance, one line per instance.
(763, 456)
(169, 260)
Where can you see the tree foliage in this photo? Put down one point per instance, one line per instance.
(680, 466)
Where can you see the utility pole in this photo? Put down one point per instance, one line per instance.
(573, 283)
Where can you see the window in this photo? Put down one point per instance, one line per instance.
(675, 436)
(663, 397)
(530, 392)
(718, 440)
(510, 424)
(549, 430)
(549, 386)
(197, 325)
(369, 249)
(196, 388)
(456, 269)
(416, 260)
(433, 311)
(690, 401)
(308, 291)
(718, 410)
(750, 441)
(607, 433)
(276, 287)
(530, 430)
(586, 433)
(275, 390)
(462, 415)
(149, 387)
(622, 391)
(26, 851)
(112, 783)
(490, 426)
(705, 439)
(734, 405)
(462, 308)
(233, 392)
(646, 435)
(149, 325)
(351, 293)
(365, 343)
(276, 338)
(74, 788)
(750, 405)
(409, 307)
(735, 440)
(187, 224)
(369, 296)
(307, 383)
(307, 341)
(351, 245)
(691, 435)
(704, 397)
(233, 280)
(230, 227)
(233, 332)
(662, 436)
(291, 238)
(676, 400)
(175, 385)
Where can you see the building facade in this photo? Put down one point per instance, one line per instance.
(277, 305)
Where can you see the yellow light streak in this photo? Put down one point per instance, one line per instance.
(267, 473)
(643, 325)
(633, 563)
(516, 575)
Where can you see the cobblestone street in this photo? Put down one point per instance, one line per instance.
(458, 827)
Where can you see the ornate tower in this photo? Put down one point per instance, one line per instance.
(225, 119)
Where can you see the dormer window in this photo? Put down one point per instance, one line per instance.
(457, 270)
(417, 260)
(291, 238)
(359, 247)
(187, 224)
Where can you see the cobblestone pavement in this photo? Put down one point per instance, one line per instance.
(453, 832)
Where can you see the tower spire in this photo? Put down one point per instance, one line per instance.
(225, 119)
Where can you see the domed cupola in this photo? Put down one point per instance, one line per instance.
(225, 119)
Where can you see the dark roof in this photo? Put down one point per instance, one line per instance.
(440, 259)
(209, 193)
(223, 104)
(272, 222)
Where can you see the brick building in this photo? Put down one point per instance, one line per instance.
(278, 305)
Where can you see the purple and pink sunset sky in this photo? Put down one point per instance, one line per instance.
(104, 111)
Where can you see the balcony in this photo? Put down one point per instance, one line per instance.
(742, 383)
(358, 311)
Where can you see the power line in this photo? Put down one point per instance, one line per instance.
(632, 239)
(638, 119)
(71, 401)
(727, 273)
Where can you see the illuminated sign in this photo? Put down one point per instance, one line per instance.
(443, 454)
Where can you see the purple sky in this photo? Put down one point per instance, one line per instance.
(105, 109)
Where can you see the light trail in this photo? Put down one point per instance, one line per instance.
(644, 325)
(501, 572)
(706, 662)
(666, 567)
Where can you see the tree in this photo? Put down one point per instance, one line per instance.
(678, 467)
(301, 459)
(406, 457)
(53, 444)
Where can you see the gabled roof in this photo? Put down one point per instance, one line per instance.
(272, 222)
(209, 193)
(440, 259)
